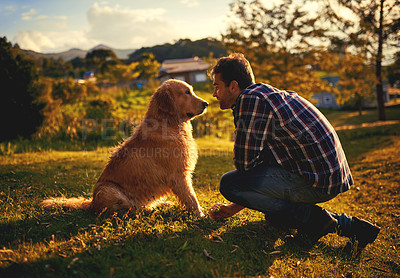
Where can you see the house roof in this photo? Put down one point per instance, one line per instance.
(185, 69)
(183, 65)
(186, 60)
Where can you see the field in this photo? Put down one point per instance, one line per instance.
(170, 242)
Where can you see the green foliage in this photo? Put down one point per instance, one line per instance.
(101, 59)
(183, 48)
(68, 90)
(121, 73)
(279, 42)
(54, 68)
(65, 106)
(19, 108)
(100, 108)
(356, 81)
(147, 68)
(372, 29)
(393, 71)
(362, 28)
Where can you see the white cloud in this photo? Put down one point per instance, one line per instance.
(128, 28)
(189, 3)
(53, 41)
(28, 15)
(32, 15)
(33, 40)
(113, 25)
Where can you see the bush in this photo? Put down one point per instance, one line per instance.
(20, 112)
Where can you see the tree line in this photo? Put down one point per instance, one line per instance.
(42, 97)
(349, 38)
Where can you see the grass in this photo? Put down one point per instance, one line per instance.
(170, 242)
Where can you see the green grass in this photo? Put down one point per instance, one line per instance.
(170, 242)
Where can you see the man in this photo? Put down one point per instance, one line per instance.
(287, 156)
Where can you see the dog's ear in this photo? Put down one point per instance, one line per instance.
(164, 100)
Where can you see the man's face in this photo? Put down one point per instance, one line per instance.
(223, 93)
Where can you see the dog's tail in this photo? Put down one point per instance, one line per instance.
(71, 203)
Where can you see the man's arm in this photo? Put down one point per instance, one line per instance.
(222, 211)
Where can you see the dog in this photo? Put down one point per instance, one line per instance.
(158, 159)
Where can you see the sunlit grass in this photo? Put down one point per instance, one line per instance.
(343, 118)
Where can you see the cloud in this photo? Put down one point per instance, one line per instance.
(128, 28)
(113, 25)
(53, 41)
(33, 40)
(28, 15)
(32, 15)
(189, 3)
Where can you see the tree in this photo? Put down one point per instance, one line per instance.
(122, 73)
(147, 67)
(394, 71)
(79, 66)
(356, 81)
(183, 48)
(67, 90)
(372, 28)
(279, 41)
(101, 59)
(56, 68)
(20, 111)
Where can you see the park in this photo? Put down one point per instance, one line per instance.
(62, 118)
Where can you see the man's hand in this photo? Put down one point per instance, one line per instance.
(222, 211)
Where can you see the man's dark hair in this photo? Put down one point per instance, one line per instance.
(234, 67)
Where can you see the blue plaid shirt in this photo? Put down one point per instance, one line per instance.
(280, 127)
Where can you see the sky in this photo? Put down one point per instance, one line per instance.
(49, 26)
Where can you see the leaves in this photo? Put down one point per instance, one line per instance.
(278, 41)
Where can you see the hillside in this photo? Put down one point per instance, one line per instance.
(65, 55)
(184, 48)
(76, 52)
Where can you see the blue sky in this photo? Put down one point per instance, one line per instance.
(51, 26)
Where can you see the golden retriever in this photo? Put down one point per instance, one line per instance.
(156, 160)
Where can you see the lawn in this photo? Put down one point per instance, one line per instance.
(170, 242)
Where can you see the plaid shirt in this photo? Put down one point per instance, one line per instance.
(280, 127)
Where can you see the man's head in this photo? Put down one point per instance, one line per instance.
(231, 75)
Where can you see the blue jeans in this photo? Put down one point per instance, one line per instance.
(267, 189)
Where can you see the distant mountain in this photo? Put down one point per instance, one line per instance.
(76, 52)
(65, 55)
(184, 48)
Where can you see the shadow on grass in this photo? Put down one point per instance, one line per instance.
(135, 246)
(57, 223)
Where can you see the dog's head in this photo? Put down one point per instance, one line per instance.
(177, 98)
